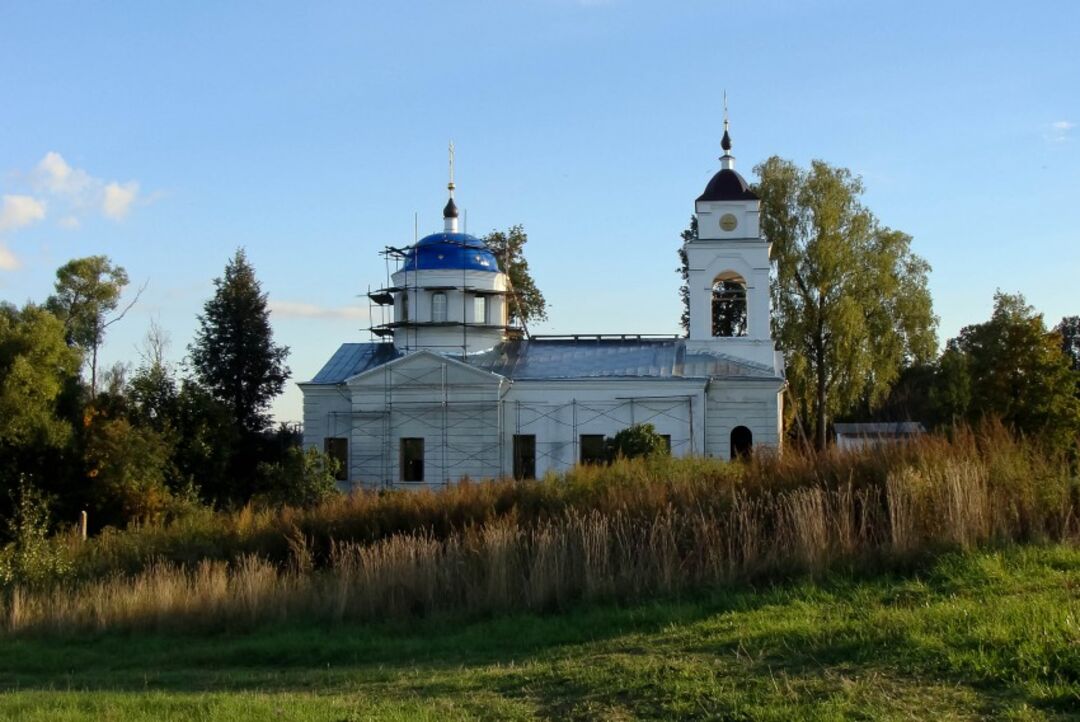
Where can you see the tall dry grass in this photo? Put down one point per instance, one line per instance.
(622, 532)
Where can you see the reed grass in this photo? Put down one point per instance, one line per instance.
(631, 530)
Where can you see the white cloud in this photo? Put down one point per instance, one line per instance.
(81, 192)
(19, 211)
(54, 175)
(1060, 131)
(8, 261)
(118, 199)
(70, 223)
(293, 309)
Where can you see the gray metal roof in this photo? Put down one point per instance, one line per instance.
(539, 359)
(551, 359)
(353, 358)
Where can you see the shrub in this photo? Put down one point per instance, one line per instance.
(302, 478)
(635, 441)
(32, 558)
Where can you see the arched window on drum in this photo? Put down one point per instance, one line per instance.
(438, 307)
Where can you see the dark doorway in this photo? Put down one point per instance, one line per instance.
(412, 459)
(338, 450)
(524, 456)
(742, 442)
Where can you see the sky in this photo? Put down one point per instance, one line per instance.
(166, 135)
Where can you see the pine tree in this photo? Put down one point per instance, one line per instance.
(234, 355)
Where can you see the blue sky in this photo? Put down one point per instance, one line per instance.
(165, 135)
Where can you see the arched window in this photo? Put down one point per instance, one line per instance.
(404, 306)
(480, 309)
(729, 305)
(742, 442)
(438, 307)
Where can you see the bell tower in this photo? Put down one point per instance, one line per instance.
(729, 268)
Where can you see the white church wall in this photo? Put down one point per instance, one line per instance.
(452, 407)
(326, 413)
(746, 214)
(559, 412)
(756, 405)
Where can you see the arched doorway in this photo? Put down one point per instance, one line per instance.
(742, 442)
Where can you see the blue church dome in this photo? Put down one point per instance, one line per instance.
(457, 251)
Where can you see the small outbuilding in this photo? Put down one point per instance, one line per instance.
(851, 437)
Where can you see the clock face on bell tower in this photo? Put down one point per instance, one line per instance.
(728, 222)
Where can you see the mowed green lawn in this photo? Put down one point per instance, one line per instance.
(992, 635)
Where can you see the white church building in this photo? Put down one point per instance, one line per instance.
(453, 391)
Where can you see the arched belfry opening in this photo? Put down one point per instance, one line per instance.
(729, 305)
(742, 442)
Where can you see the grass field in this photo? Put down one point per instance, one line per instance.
(987, 635)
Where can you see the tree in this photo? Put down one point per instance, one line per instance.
(1069, 328)
(234, 355)
(87, 289)
(35, 365)
(126, 466)
(636, 440)
(527, 302)
(300, 478)
(728, 318)
(38, 372)
(1016, 371)
(205, 441)
(153, 388)
(850, 300)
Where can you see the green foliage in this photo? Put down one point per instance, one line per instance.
(1069, 328)
(850, 300)
(1012, 368)
(302, 478)
(154, 397)
(528, 303)
(35, 365)
(31, 557)
(689, 234)
(87, 289)
(636, 441)
(234, 355)
(127, 466)
(206, 436)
